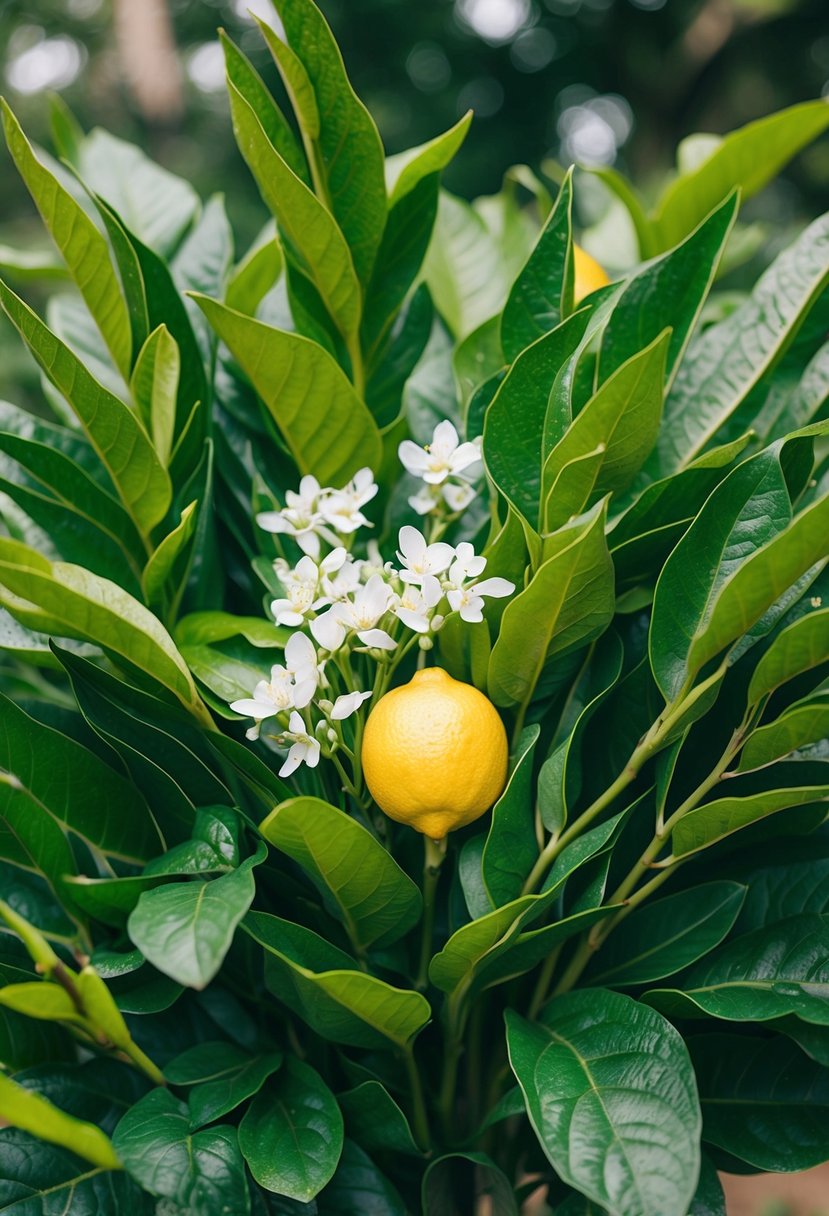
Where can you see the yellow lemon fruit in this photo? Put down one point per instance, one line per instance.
(435, 753)
(589, 275)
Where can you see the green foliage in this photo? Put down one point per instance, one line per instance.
(227, 982)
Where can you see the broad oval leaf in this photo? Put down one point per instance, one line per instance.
(292, 1133)
(611, 1095)
(379, 903)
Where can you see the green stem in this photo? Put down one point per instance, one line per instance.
(420, 1119)
(142, 1061)
(543, 984)
(446, 1098)
(434, 852)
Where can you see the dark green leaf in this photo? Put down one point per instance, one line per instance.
(511, 847)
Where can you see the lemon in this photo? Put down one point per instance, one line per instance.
(589, 275)
(434, 753)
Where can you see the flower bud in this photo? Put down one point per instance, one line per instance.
(425, 643)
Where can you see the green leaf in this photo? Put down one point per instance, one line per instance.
(742, 527)
(299, 213)
(319, 982)
(568, 601)
(749, 158)
(777, 970)
(515, 447)
(154, 385)
(511, 847)
(185, 929)
(201, 1171)
(162, 565)
(542, 295)
(377, 901)
(30, 1112)
(668, 292)
(83, 247)
(763, 1101)
(113, 429)
(375, 1121)
(53, 776)
(457, 1179)
(611, 1095)
(466, 273)
(359, 1187)
(328, 429)
(716, 820)
(801, 646)
(38, 1177)
(806, 722)
(348, 151)
(407, 169)
(668, 935)
(727, 360)
(72, 602)
(292, 1133)
(620, 423)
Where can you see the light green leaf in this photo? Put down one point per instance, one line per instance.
(113, 429)
(154, 385)
(799, 647)
(71, 602)
(378, 902)
(405, 170)
(29, 1111)
(83, 247)
(185, 929)
(292, 1133)
(749, 158)
(464, 269)
(299, 214)
(349, 152)
(328, 429)
(161, 564)
(274, 123)
(320, 984)
(611, 1095)
(806, 722)
(568, 601)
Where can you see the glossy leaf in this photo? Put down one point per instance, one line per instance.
(202, 1171)
(328, 429)
(374, 1119)
(774, 971)
(320, 983)
(37, 1175)
(358, 1187)
(668, 935)
(763, 1101)
(542, 295)
(378, 902)
(232, 1077)
(154, 384)
(611, 1096)
(715, 820)
(292, 1133)
(568, 601)
(799, 647)
(806, 722)
(185, 929)
(511, 847)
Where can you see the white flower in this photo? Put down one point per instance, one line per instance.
(290, 687)
(348, 704)
(426, 500)
(301, 585)
(420, 559)
(340, 583)
(442, 457)
(469, 601)
(304, 748)
(299, 517)
(341, 508)
(416, 603)
(457, 495)
(466, 565)
(360, 614)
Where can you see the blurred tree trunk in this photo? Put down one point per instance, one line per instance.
(150, 62)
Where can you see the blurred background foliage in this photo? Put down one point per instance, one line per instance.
(599, 82)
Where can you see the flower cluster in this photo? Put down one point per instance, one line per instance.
(447, 468)
(363, 614)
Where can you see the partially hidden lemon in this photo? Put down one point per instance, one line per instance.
(589, 275)
(434, 753)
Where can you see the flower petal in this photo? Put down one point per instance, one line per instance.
(346, 705)
(496, 587)
(377, 639)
